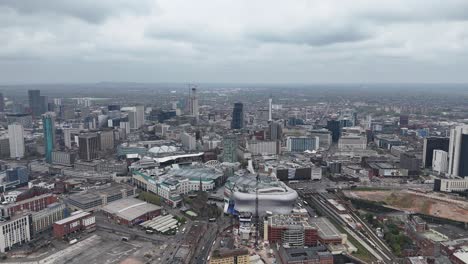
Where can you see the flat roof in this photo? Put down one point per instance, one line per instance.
(325, 228)
(76, 215)
(130, 208)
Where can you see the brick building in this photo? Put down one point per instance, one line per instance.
(34, 204)
(77, 222)
(292, 230)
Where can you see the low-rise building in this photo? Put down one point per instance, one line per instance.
(77, 222)
(225, 256)
(131, 211)
(290, 230)
(34, 204)
(96, 198)
(451, 185)
(310, 255)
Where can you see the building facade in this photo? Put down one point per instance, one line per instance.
(16, 231)
(48, 126)
(237, 121)
(301, 144)
(458, 151)
(88, 146)
(431, 144)
(16, 140)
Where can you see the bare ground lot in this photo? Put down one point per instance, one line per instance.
(430, 204)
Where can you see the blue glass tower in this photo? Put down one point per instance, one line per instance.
(49, 135)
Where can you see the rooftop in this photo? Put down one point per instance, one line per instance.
(130, 208)
(75, 215)
(325, 228)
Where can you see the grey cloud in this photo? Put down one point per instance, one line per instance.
(312, 37)
(91, 11)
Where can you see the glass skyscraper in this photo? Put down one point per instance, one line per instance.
(49, 135)
(237, 116)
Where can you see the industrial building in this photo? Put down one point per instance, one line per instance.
(131, 211)
(78, 221)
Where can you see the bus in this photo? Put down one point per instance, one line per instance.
(212, 219)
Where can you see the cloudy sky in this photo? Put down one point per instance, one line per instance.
(265, 41)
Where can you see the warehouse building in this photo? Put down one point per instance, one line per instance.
(77, 222)
(131, 211)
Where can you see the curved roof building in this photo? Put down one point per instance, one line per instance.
(273, 195)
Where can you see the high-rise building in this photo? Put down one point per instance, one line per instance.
(48, 125)
(431, 144)
(237, 116)
(88, 146)
(188, 141)
(440, 161)
(37, 103)
(334, 127)
(16, 137)
(106, 140)
(404, 120)
(270, 101)
(275, 131)
(2, 103)
(230, 148)
(301, 144)
(194, 103)
(458, 151)
(137, 117)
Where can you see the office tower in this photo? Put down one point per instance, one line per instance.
(69, 136)
(269, 109)
(237, 116)
(125, 125)
(4, 147)
(189, 142)
(334, 127)
(113, 108)
(106, 140)
(88, 146)
(16, 136)
(57, 101)
(137, 117)
(2, 103)
(194, 103)
(440, 161)
(37, 103)
(431, 144)
(458, 151)
(404, 120)
(301, 144)
(48, 125)
(230, 148)
(275, 131)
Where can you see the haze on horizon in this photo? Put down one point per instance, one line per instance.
(315, 41)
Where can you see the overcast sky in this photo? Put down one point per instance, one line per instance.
(266, 41)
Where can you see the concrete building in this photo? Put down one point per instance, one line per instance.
(37, 103)
(194, 103)
(230, 148)
(352, 142)
(15, 231)
(88, 146)
(69, 136)
(189, 142)
(106, 140)
(261, 147)
(63, 158)
(458, 151)
(440, 161)
(16, 140)
(77, 222)
(275, 131)
(311, 255)
(96, 198)
(45, 219)
(451, 185)
(301, 144)
(290, 230)
(324, 136)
